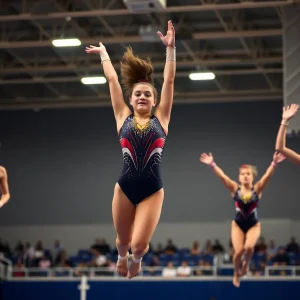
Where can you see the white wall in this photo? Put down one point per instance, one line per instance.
(183, 234)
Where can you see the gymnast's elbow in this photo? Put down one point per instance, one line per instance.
(279, 148)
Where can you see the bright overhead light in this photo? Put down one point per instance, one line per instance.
(202, 76)
(93, 80)
(66, 43)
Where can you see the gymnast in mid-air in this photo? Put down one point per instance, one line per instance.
(138, 193)
(245, 228)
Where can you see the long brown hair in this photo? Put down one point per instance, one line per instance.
(135, 70)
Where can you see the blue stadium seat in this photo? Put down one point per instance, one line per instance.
(75, 260)
(176, 262)
(192, 263)
(184, 251)
(85, 255)
(292, 257)
(186, 256)
(47, 253)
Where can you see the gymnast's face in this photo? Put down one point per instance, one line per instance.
(246, 176)
(142, 99)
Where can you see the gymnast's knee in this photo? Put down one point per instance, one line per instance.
(238, 252)
(139, 248)
(249, 249)
(123, 241)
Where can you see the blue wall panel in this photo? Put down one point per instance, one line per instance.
(151, 290)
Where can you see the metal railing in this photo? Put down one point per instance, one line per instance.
(271, 271)
(2, 270)
(5, 268)
(99, 271)
(293, 271)
(214, 271)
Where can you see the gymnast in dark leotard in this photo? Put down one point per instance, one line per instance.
(246, 207)
(139, 193)
(245, 228)
(142, 148)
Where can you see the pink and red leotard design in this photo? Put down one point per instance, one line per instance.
(246, 212)
(142, 148)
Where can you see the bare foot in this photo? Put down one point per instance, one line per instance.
(236, 280)
(244, 268)
(134, 269)
(122, 266)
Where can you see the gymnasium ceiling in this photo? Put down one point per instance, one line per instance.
(240, 41)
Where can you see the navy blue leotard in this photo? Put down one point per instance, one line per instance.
(142, 148)
(246, 213)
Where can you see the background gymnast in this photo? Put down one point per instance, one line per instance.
(245, 228)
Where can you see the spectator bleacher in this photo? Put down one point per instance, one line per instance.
(99, 260)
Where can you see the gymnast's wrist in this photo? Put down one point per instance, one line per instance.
(171, 53)
(274, 164)
(284, 122)
(104, 56)
(213, 165)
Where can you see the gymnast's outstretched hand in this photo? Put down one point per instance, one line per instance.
(206, 158)
(278, 157)
(95, 50)
(169, 38)
(288, 112)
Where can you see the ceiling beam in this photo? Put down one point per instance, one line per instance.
(54, 90)
(104, 100)
(237, 34)
(124, 12)
(195, 59)
(58, 104)
(46, 60)
(101, 19)
(137, 39)
(156, 64)
(62, 79)
(238, 21)
(207, 52)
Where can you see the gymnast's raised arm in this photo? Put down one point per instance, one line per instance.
(121, 110)
(208, 159)
(263, 182)
(288, 113)
(163, 110)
